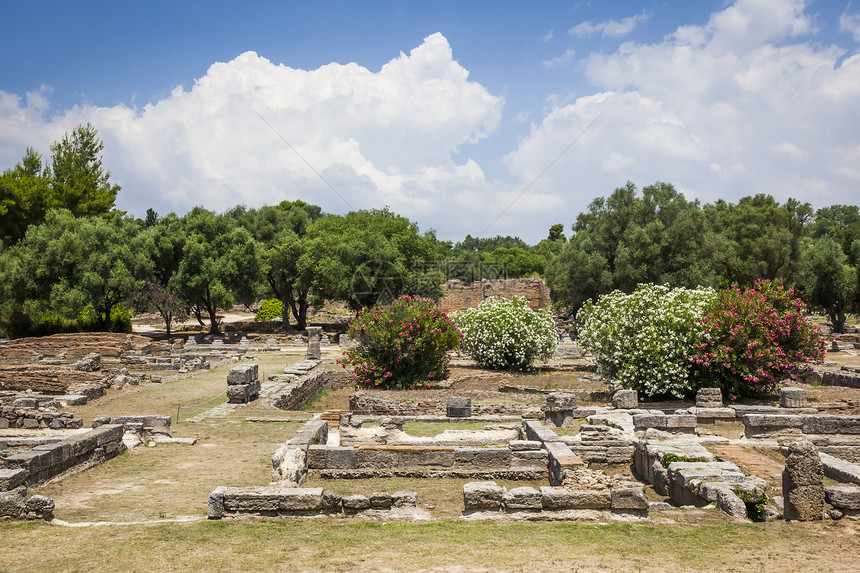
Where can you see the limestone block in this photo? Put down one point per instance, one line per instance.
(404, 499)
(831, 424)
(290, 465)
(560, 402)
(301, 499)
(802, 486)
(644, 421)
(12, 503)
(242, 374)
(709, 398)
(355, 503)
(792, 398)
(40, 507)
(331, 502)
(459, 407)
(631, 496)
(839, 469)
(109, 433)
(843, 496)
(522, 498)
(530, 459)
(731, 504)
(524, 445)
(569, 498)
(380, 500)
(314, 352)
(25, 403)
(482, 458)
(215, 508)
(625, 399)
(252, 499)
(12, 478)
(482, 495)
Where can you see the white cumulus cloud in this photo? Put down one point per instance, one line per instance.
(252, 131)
(747, 103)
(611, 28)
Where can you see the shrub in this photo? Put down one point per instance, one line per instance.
(270, 309)
(754, 337)
(641, 340)
(401, 345)
(506, 334)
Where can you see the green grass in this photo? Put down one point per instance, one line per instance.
(338, 544)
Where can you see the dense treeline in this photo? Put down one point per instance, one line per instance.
(660, 237)
(69, 259)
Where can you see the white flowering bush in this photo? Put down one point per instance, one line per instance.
(641, 340)
(506, 334)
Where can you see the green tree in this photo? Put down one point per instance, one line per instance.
(760, 238)
(24, 197)
(219, 265)
(68, 266)
(280, 232)
(79, 182)
(370, 257)
(829, 282)
(625, 240)
(556, 232)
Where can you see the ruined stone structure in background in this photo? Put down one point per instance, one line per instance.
(458, 296)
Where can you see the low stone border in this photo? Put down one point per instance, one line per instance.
(47, 461)
(274, 501)
(487, 496)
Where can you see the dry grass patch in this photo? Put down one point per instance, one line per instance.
(448, 545)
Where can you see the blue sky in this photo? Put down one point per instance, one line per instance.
(455, 114)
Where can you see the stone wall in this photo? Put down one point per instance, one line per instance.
(835, 435)
(49, 460)
(458, 296)
(365, 404)
(519, 460)
(278, 501)
(32, 413)
(296, 395)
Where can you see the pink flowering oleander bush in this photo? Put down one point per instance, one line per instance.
(753, 339)
(401, 345)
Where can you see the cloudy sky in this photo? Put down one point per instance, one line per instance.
(480, 117)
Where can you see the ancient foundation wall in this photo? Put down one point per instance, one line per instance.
(458, 296)
(297, 395)
(838, 436)
(49, 460)
(365, 404)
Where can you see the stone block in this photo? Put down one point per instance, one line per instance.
(404, 499)
(482, 495)
(30, 423)
(628, 497)
(332, 502)
(731, 504)
(524, 445)
(522, 498)
(252, 499)
(530, 459)
(242, 374)
(301, 499)
(625, 399)
(569, 498)
(482, 458)
(560, 402)
(709, 398)
(355, 503)
(215, 508)
(792, 398)
(831, 424)
(843, 496)
(839, 469)
(84, 444)
(39, 506)
(645, 421)
(380, 500)
(12, 503)
(802, 483)
(12, 478)
(458, 407)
